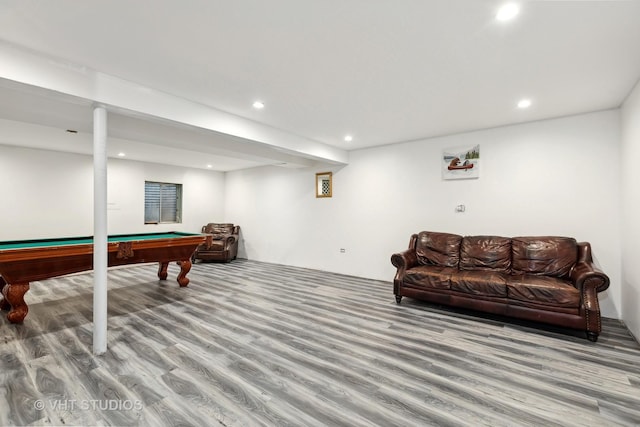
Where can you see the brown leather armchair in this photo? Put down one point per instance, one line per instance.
(222, 244)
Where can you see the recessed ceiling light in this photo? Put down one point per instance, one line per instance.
(524, 103)
(258, 105)
(348, 138)
(507, 12)
(121, 154)
(209, 166)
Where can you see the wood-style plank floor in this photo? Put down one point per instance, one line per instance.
(253, 344)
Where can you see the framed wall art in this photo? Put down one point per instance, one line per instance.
(461, 162)
(324, 184)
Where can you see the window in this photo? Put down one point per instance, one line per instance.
(162, 202)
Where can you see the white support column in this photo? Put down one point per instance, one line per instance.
(100, 254)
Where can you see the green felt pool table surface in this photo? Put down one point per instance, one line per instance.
(18, 244)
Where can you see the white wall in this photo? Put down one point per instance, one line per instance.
(47, 194)
(555, 177)
(631, 211)
(550, 177)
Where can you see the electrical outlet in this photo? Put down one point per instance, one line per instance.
(342, 250)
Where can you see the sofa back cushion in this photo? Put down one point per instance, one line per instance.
(548, 256)
(488, 253)
(441, 249)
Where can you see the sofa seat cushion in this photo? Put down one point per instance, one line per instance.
(485, 283)
(488, 253)
(441, 249)
(542, 290)
(430, 277)
(546, 256)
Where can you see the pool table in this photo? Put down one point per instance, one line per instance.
(24, 261)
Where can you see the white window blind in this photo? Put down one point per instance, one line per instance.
(162, 202)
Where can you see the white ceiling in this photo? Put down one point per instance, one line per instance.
(382, 71)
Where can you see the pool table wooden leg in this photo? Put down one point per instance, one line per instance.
(162, 270)
(4, 304)
(14, 295)
(185, 266)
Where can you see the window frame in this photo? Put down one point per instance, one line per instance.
(176, 199)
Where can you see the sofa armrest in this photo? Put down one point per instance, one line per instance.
(402, 261)
(589, 280)
(586, 277)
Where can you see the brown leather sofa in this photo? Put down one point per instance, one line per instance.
(222, 246)
(545, 279)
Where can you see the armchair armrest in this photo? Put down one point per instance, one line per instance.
(229, 239)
